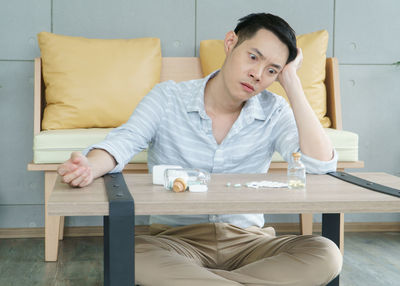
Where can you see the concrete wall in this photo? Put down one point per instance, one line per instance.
(364, 35)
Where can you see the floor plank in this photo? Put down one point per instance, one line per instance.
(371, 259)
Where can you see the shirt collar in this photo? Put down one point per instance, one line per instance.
(252, 109)
(196, 102)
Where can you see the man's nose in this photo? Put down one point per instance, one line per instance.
(256, 73)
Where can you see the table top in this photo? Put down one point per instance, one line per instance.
(323, 194)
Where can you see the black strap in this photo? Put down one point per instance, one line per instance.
(119, 233)
(365, 183)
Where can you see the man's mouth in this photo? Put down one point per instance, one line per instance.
(247, 87)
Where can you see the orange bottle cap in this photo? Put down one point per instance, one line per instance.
(179, 185)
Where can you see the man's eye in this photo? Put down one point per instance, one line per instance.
(253, 56)
(272, 71)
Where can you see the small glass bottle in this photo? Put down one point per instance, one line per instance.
(180, 180)
(296, 173)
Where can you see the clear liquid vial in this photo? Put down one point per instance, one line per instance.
(180, 180)
(296, 173)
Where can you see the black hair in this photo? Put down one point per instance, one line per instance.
(249, 25)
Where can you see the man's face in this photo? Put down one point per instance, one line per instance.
(254, 64)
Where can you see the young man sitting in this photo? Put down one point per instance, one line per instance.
(224, 123)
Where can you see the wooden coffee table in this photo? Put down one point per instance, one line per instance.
(324, 194)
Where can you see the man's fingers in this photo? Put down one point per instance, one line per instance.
(85, 182)
(69, 177)
(61, 171)
(77, 181)
(72, 164)
(66, 168)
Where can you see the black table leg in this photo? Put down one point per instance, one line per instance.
(119, 234)
(331, 230)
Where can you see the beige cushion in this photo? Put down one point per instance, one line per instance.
(55, 146)
(95, 82)
(345, 143)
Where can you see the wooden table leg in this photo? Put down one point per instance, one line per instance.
(306, 223)
(61, 231)
(341, 234)
(52, 223)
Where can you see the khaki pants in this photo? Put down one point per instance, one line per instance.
(222, 254)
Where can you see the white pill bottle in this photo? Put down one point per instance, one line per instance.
(180, 180)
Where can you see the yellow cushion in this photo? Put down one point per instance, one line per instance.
(95, 82)
(311, 73)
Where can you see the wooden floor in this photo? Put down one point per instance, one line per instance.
(370, 259)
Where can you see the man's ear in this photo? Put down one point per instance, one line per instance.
(230, 41)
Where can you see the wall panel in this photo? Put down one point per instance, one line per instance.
(215, 18)
(367, 32)
(17, 185)
(20, 21)
(370, 105)
(171, 20)
(21, 216)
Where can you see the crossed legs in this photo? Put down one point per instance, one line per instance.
(222, 254)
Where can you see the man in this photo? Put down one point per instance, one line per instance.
(226, 122)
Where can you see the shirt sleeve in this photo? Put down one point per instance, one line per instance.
(287, 142)
(135, 135)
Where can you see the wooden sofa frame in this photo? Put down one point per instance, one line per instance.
(178, 69)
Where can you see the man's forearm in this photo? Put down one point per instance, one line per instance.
(101, 162)
(313, 140)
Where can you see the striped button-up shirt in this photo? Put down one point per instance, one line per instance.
(172, 123)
